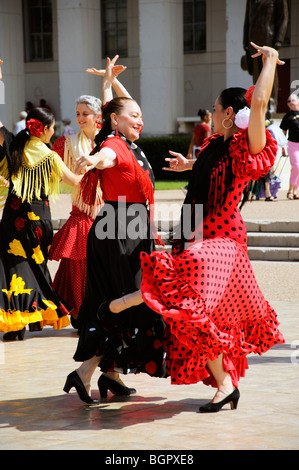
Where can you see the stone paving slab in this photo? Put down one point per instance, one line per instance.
(35, 414)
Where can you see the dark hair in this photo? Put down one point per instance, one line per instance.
(202, 113)
(234, 97)
(17, 147)
(114, 106)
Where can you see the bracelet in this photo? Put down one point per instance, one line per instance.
(125, 303)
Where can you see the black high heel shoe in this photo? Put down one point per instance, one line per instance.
(73, 380)
(35, 326)
(232, 398)
(105, 384)
(13, 335)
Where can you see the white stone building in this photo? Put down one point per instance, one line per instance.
(177, 61)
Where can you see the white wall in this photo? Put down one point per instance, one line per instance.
(11, 52)
(165, 81)
(79, 47)
(205, 73)
(235, 14)
(161, 64)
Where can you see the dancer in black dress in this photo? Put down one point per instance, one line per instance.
(32, 172)
(132, 341)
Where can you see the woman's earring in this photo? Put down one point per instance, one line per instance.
(227, 127)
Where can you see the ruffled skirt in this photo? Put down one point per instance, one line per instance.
(69, 247)
(131, 341)
(26, 295)
(212, 304)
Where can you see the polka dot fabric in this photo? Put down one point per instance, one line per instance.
(228, 221)
(69, 247)
(208, 294)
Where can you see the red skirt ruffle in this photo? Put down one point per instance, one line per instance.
(211, 302)
(69, 283)
(70, 241)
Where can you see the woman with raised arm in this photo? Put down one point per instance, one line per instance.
(132, 342)
(206, 289)
(69, 243)
(33, 172)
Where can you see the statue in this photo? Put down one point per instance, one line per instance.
(265, 23)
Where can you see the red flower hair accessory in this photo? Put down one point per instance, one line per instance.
(35, 127)
(248, 95)
(99, 124)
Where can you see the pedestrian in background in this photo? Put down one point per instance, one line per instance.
(290, 126)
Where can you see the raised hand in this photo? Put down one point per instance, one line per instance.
(94, 71)
(112, 70)
(266, 51)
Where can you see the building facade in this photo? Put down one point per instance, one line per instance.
(179, 54)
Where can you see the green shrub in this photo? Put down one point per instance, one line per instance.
(157, 149)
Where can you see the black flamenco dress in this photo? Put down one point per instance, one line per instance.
(206, 289)
(131, 341)
(26, 296)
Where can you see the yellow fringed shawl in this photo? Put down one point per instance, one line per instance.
(40, 172)
(4, 181)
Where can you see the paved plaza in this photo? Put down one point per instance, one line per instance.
(35, 414)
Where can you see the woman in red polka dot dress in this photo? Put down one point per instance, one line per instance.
(206, 289)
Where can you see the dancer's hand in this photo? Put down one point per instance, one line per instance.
(111, 72)
(179, 163)
(94, 71)
(84, 164)
(265, 52)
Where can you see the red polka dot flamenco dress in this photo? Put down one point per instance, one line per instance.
(207, 292)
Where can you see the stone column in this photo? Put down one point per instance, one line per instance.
(12, 94)
(161, 64)
(79, 47)
(235, 14)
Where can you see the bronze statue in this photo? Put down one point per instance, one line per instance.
(265, 23)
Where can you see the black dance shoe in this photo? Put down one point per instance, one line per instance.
(35, 326)
(13, 335)
(73, 380)
(232, 398)
(105, 384)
